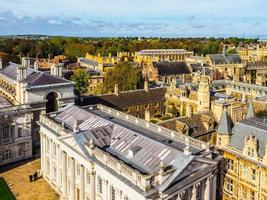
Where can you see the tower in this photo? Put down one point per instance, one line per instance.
(204, 94)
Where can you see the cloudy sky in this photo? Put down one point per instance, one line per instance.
(163, 18)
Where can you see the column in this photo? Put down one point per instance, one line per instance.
(214, 184)
(92, 185)
(64, 175)
(82, 187)
(194, 193)
(51, 159)
(72, 179)
(207, 190)
(42, 153)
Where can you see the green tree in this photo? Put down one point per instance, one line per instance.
(81, 82)
(126, 75)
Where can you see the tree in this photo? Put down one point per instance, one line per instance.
(81, 82)
(126, 75)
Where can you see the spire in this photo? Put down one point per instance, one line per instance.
(251, 111)
(224, 127)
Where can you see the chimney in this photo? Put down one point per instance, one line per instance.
(187, 150)
(36, 64)
(147, 115)
(116, 89)
(25, 62)
(56, 70)
(1, 63)
(21, 73)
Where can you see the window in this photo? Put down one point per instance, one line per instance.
(252, 195)
(54, 174)
(99, 184)
(48, 145)
(55, 149)
(229, 185)
(245, 171)
(88, 178)
(78, 169)
(244, 192)
(253, 174)
(6, 155)
(113, 193)
(126, 198)
(230, 164)
(6, 133)
(250, 152)
(219, 141)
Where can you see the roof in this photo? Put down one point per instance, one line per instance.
(218, 59)
(252, 126)
(127, 98)
(34, 77)
(11, 71)
(196, 124)
(171, 68)
(250, 111)
(163, 51)
(224, 127)
(4, 102)
(118, 140)
(43, 78)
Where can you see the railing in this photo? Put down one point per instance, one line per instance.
(155, 128)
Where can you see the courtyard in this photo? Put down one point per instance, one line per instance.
(17, 178)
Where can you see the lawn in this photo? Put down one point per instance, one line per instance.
(5, 192)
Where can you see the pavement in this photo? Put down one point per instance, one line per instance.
(17, 178)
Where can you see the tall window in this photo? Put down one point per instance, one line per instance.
(252, 195)
(245, 171)
(6, 154)
(113, 193)
(229, 185)
(100, 185)
(230, 164)
(6, 133)
(253, 174)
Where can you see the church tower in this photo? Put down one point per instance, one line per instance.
(204, 94)
(224, 130)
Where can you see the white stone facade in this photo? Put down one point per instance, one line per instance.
(79, 169)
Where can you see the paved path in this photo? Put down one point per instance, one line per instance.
(18, 180)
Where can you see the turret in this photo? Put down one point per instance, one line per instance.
(224, 130)
(250, 111)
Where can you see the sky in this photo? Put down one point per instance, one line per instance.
(135, 18)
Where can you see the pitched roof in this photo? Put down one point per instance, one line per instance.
(42, 78)
(250, 112)
(218, 59)
(11, 71)
(171, 68)
(224, 127)
(4, 102)
(127, 98)
(252, 126)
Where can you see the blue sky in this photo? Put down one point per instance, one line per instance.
(161, 18)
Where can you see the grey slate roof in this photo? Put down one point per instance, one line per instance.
(4, 102)
(225, 58)
(11, 71)
(118, 140)
(246, 127)
(34, 78)
(251, 111)
(171, 68)
(224, 127)
(127, 98)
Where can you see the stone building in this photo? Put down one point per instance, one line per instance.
(253, 53)
(161, 55)
(134, 102)
(167, 72)
(15, 132)
(22, 85)
(100, 153)
(243, 171)
(226, 66)
(200, 126)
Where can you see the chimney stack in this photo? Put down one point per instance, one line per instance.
(1, 63)
(25, 62)
(147, 115)
(146, 84)
(116, 89)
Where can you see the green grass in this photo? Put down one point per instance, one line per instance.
(5, 192)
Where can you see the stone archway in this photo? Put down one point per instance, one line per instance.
(52, 102)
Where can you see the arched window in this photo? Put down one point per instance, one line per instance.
(52, 102)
